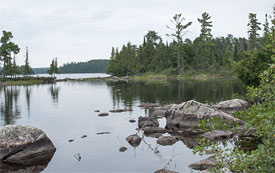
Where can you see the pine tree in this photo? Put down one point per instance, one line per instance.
(254, 27)
(27, 68)
(179, 30)
(205, 26)
(7, 48)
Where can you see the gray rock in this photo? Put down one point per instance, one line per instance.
(165, 171)
(38, 166)
(134, 140)
(218, 134)
(103, 114)
(189, 114)
(150, 130)
(167, 140)
(122, 149)
(148, 105)
(24, 145)
(230, 106)
(147, 121)
(160, 111)
(153, 135)
(203, 164)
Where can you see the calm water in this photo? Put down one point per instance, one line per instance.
(65, 111)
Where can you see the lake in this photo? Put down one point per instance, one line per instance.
(66, 110)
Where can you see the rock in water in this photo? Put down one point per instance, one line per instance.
(147, 121)
(24, 145)
(189, 114)
(230, 106)
(103, 114)
(203, 164)
(165, 171)
(218, 134)
(167, 140)
(122, 149)
(134, 140)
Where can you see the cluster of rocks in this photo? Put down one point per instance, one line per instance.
(184, 123)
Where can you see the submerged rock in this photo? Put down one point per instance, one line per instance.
(148, 105)
(230, 106)
(132, 121)
(203, 164)
(83, 136)
(25, 145)
(218, 134)
(189, 114)
(134, 140)
(167, 140)
(103, 114)
(120, 110)
(150, 130)
(122, 149)
(147, 121)
(103, 133)
(165, 171)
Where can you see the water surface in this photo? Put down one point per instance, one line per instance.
(66, 110)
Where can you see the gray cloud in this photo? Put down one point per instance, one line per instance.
(87, 29)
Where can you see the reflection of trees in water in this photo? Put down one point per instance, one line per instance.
(28, 92)
(54, 90)
(9, 109)
(174, 91)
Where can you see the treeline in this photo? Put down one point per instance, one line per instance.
(204, 54)
(92, 66)
(42, 70)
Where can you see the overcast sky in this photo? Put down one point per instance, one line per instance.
(81, 30)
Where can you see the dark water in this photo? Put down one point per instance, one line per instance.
(65, 111)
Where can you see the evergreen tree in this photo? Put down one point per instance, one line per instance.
(53, 68)
(7, 48)
(27, 68)
(254, 27)
(205, 26)
(179, 30)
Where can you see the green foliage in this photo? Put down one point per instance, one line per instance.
(7, 49)
(259, 117)
(27, 68)
(254, 62)
(253, 26)
(205, 26)
(53, 68)
(179, 30)
(92, 66)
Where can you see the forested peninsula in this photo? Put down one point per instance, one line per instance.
(205, 54)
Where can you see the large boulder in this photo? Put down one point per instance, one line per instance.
(160, 111)
(230, 106)
(189, 114)
(25, 145)
(147, 121)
